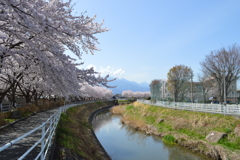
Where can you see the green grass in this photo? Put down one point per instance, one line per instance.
(169, 139)
(72, 109)
(64, 132)
(10, 120)
(192, 134)
(150, 119)
(227, 130)
(26, 114)
(153, 109)
(129, 107)
(122, 102)
(127, 100)
(163, 127)
(231, 145)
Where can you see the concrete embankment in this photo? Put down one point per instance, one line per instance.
(214, 135)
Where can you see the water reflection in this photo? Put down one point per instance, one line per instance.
(125, 143)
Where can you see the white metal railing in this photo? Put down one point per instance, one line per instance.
(7, 107)
(47, 132)
(232, 109)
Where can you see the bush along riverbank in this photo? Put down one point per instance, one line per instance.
(214, 135)
(75, 138)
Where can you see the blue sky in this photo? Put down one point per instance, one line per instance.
(147, 38)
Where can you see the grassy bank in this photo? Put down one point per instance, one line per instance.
(74, 136)
(127, 101)
(186, 128)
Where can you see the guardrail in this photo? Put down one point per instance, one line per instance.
(200, 107)
(47, 132)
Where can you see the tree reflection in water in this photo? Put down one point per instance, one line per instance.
(135, 135)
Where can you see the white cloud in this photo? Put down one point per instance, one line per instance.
(107, 70)
(119, 72)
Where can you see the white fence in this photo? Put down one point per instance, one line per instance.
(47, 132)
(200, 107)
(7, 107)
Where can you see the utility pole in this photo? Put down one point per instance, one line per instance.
(163, 90)
(224, 89)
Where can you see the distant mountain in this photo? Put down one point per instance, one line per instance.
(124, 84)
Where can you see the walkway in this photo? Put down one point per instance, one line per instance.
(20, 128)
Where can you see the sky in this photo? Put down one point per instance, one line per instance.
(148, 37)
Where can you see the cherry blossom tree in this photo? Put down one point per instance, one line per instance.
(95, 92)
(34, 34)
(129, 94)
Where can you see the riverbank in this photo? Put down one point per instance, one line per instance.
(186, 128)
(75, 138)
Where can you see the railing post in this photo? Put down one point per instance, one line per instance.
(238, 110)
(224, 109)
(42, 143)
(51, 129)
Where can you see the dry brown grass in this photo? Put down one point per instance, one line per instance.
(29, 108)
(3, 116)
(118, 109)
(48, 104)
(186, 119)
(133, 121)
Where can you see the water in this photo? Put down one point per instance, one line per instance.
(125, 143)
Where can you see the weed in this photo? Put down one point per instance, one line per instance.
(191, 133)
(150, 119)
(169, 139)
(72, 109)
(226, 143)
(153, 109)
(86, 124)
(227, 130)
(164, 127)
(126, 101)
(10, 120)
(118, 110)
(26, 114)
(129, 107)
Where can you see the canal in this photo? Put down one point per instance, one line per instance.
(125, 143)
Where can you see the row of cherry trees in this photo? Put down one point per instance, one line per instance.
(99, 92)
(34, 34)
(131, 94)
